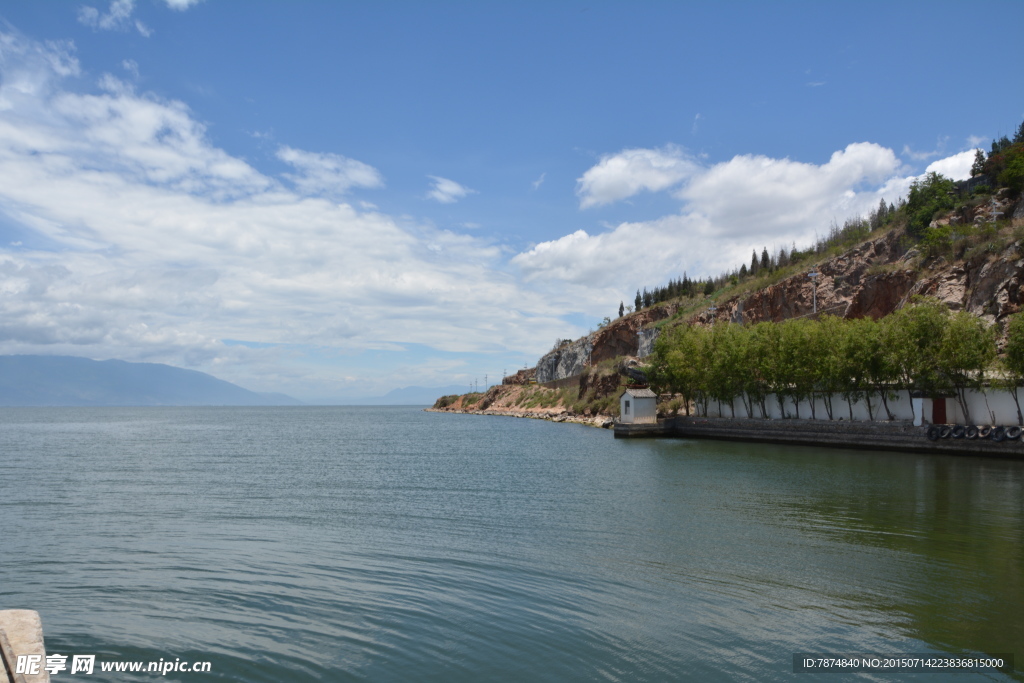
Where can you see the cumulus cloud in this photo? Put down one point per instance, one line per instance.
(181, 5)
(631, 171)
(329, 174)
(727, 210)
(118, 17)
(162, 246)
(447, 191)
(957, 167)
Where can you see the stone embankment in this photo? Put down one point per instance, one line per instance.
(21, 633)
(887, 436)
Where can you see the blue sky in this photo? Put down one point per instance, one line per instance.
(336, 199)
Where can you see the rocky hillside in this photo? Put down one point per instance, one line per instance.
(978, 267)
(870, 280)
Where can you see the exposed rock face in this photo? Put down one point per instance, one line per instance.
(647, 337)
(567, 360)
(988, 287)
(845, 288)
(620, 338)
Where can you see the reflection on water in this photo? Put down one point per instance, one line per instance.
(389, 544)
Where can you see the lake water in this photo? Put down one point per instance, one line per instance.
(390, 544)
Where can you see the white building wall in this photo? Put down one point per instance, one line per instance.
(984, 406)
(641, 410)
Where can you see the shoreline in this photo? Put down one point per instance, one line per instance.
(599, 421)
(897, 435)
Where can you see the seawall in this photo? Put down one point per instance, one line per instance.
(888, 436)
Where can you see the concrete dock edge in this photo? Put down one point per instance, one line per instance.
(21, 633)
(897, 435)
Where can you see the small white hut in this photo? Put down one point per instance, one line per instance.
(638, 405)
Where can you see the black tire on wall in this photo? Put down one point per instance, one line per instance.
(972, 432)
(1013, 433)
(999, 434)
(958, 431)
(945, 431)
(934, 432)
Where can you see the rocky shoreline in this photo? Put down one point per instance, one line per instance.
(557, 415)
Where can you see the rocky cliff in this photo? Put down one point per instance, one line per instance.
(871, 280)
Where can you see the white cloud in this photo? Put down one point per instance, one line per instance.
(447, 191)
(327, 174)
(118, 17)
(539, 181)
(728, 209)
(631, 171)
(957, 167)
(161, 246)
(181, 5)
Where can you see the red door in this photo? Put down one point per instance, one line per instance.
(939, 411)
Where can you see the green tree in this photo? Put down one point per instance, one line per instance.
(639, 302)
(910, 338)
(927, 197)
(1012, 175)
(622, 309)
(854, 358)
(754, 263)
(829, 375)
(760, 364)
(966, 350)
(795, 363)
(1013, 361)
(978, 167)
(766, 260)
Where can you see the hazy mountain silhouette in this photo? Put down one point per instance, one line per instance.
(73, 381)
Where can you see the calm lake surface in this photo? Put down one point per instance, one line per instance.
(390, 544)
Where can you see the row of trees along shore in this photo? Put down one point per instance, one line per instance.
(921, 347)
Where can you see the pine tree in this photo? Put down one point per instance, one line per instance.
(639, 303)
(765, 259)
(1019, 136)
(743, 270)
(622, 309)
(754, 263)
(978, 167)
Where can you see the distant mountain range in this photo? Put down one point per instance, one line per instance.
(72, 381)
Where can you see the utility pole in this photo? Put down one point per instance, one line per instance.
(814, 280)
